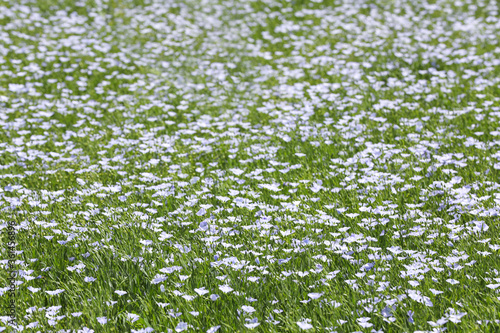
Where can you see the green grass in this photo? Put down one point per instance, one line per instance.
(121, 121)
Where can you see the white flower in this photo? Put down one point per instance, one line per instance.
(54, 292)
(132, 317)
(493, 286)
(102, 320)
(144, 330)
(213, 329)
(494, 246)
(146, 242)
(440, 322)
(201, 212)
(455, 316)
(248, 308)
(201, 291)
(162, 304)
(416, 296)
(436, 292)
(32, 325)
(89, 279)
(164, 236)
(305, 324)
(223, 199)
(33, 289)
(120, 292)
(226, 289)
(271, 187)
(86, 330)
(182, 326)
(214, 297)
(158, 279)
(233, 192)
(315, 295)
(363, 322)
(237, 172)
(170, 270)
(252, 325)
(455, 319)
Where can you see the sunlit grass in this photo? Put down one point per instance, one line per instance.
(275, 166)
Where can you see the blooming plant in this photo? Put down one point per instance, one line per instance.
(266, 166)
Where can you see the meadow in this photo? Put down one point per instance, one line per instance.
(250, 166)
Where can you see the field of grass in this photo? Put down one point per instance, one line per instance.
(250, 166)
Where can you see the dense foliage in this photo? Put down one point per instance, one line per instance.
(267, 165)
